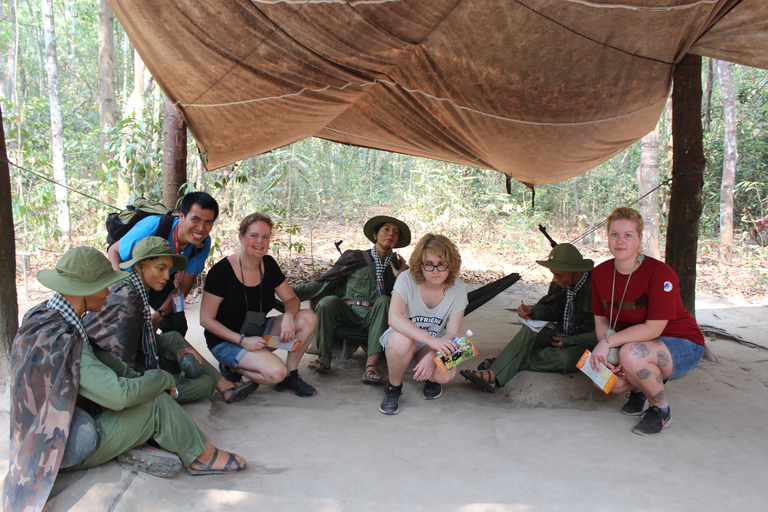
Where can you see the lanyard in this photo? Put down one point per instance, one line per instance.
(180, 273)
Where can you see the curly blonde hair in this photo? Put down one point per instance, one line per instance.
(442, 247)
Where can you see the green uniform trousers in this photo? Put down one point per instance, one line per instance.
(190, 390)
(161, 419)
(333, 312)
(533, 351)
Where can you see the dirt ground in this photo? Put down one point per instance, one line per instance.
(544, 442)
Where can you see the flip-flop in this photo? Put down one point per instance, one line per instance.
(486, 364)
(229, 374)
(318, 367)
(371, 376)
(208, 468)
(485, 379)
(239, 392)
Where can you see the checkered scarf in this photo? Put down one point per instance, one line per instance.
(62, 305)
(568, 328)
(148, 341)
(381, 266)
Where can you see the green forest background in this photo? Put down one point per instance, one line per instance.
(316, 179)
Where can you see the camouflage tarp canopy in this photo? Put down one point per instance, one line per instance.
(540, 90)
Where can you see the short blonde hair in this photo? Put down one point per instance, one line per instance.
(442, 247)
(626, 213)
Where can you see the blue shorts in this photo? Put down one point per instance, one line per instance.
(230, 354)
(685, 355)
(383, 340)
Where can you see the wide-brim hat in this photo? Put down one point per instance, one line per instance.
(566, 258)
(82, 271)
(155, 247)
(373, 223)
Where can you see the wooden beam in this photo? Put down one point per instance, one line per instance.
(687, 176)
(9, 309)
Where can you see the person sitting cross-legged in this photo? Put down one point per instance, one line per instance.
(57, 375)
(552, 349)
(124, 326)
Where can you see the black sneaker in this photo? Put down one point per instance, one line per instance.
(391, 398)
(654, 420)
(432, 390)
(293, 384)
(636, 404)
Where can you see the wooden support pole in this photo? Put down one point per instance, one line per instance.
(687, 176)
(9, 309)
(174, 154)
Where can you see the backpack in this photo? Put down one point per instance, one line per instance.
(119, 223)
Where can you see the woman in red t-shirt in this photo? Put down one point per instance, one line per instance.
(638, 310)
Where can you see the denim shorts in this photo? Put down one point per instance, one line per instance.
(685, 355)
(383, 340)
(230, 354)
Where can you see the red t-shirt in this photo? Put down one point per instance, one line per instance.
(653, 294)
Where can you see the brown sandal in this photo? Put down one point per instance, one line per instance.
(485, 379)
(371, 376)
(318, 367)
(486, 364)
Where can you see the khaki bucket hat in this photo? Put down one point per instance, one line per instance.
(82, 271)
(566, 258)
(155, 247)
(373, 223)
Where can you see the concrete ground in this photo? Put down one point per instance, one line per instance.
(542, 443)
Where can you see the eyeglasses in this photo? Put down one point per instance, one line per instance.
(430, 267)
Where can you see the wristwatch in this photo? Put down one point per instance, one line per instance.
(162, 313)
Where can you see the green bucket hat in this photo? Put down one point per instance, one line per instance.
(82, 271)
(155, 247)
(372, 224)
(566, 258)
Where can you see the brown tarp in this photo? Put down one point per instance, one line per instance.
(540, 90)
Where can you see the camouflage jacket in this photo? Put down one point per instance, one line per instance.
(117, 328)
(45, 360)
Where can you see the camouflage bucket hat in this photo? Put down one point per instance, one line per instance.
(155, 247)
(80, 272)
(375, 222)
(566, 258)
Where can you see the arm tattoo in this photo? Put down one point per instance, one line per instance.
(658, 397)
(663, 358)
(643, 373)
(639, 350)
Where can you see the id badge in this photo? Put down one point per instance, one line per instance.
(178, 303)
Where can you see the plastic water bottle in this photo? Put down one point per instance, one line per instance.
(461, 341)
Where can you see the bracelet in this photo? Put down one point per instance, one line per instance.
(242, 337)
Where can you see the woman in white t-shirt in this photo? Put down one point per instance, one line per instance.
(425, 313)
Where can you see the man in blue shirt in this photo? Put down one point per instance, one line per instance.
(189, 236)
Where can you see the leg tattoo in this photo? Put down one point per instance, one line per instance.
(663, 358)
(643, 373)
(639, 350)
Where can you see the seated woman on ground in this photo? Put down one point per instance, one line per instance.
(124, 326)
(425, 314)
(638, 309)
(239, 292)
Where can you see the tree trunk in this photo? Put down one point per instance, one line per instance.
(730, 156)
(647, 183)
(687, 176)
(9, 311)
(708, 94)
(57, 131)
(174, 154)
(106, 88)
